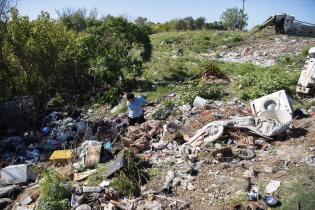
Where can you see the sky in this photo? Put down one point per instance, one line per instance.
(163, 10)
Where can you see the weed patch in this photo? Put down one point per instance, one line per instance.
(265, 81)
(97, 178)
(55, 192)
(298, 191)
(189, 91)
(129, 179)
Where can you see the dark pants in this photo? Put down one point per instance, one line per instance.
(135, 120)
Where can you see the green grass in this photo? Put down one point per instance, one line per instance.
(300, 190)
(195, 41)
(255, 81)
(97, 178)
(157, 93)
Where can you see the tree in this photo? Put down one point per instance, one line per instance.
(190, 23)
(4, 10)
(234, 18)
(200, 22)
(216, 26)
(181, 24)
(116, 50)
(145, 24)
(37, 54)
(77, 20)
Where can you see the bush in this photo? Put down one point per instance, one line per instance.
(214, 70)
(125, 186)
(112, 95)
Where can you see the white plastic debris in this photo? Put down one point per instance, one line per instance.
(272, 186)
(213, 132)
(200, 102)
(260, 125)
(105, 183)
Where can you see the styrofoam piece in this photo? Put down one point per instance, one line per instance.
(274, 101)
(16, 174)
(200, 102)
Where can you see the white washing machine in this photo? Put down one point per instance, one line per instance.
(274, 101)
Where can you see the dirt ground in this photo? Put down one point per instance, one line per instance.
(220, 185)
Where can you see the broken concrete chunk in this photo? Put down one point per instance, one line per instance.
(115, 165)
(105, 183)
(159, 145)
(307, 78)
(168, 182)
(9, 191)
(16, 174)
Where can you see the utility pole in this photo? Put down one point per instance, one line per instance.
(243, 14)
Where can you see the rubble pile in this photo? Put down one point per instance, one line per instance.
(260, 52)
(107, 163)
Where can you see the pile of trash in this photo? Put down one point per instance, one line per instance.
(108, 159)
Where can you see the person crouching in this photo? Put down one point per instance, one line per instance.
(135, 111)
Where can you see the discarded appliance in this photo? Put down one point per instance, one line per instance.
(61, 155)
(16, 174)
(259, 125)
(93, 156)
(274, 101)
(278, 115)
(307, 76)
